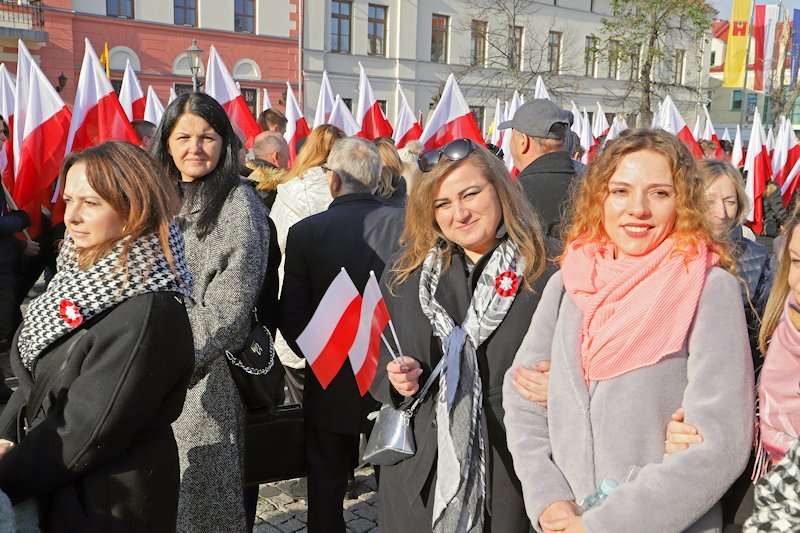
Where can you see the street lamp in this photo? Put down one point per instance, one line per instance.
(193, 53)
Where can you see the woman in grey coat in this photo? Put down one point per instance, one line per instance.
(226, 234)
(639, 321)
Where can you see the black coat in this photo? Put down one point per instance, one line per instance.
(402, 484)
(546, 181)
(101, 455)
(356, 232)
(10, 223)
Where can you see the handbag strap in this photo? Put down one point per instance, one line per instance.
(425, 388)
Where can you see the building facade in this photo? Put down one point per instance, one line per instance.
(257, 39)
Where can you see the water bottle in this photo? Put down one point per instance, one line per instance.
(599, 496)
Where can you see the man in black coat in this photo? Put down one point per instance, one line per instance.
(359, 233)
(538, 131)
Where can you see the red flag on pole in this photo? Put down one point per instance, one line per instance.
(369, 114)
(220, 85)
(7, 99)
(366, 348)
(407, 128)
(451, 119)
(296, 126)
(131, 95)
(758, 169)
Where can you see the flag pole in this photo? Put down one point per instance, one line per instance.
(13, 206)
(394, 335)
(746, 65)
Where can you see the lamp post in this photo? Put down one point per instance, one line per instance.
(193, 53)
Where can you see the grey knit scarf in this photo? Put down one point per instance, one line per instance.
(76, 295)
(460, 492)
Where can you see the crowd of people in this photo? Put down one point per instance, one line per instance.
(586, 344)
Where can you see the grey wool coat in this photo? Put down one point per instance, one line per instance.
(564, 451)
(228, 267)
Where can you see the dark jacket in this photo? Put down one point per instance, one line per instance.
(754, 268)
(401, 484)
(356, 232)
(546, 182)
(10, 223)
(775, 214)
(101, 455)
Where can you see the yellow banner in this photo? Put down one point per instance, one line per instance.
(736, 52)
(104, 60)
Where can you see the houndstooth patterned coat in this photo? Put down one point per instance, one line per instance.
(228, 267)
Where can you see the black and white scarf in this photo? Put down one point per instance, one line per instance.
(460, 492)
(75, 295)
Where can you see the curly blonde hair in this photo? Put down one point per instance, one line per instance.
(691, 223)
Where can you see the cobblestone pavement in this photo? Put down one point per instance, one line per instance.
(282, 506)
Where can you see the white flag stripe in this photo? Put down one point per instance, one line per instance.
(153, 109)
(130, 91)
(358, 352)
(93, 85)
(342, 118)
(320, 328)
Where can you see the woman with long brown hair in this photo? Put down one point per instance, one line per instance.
(104, 356)
(639, 321)
(462, 291)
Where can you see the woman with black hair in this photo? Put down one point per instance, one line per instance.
(227, 237)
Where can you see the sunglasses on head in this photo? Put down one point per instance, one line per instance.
(454, 151)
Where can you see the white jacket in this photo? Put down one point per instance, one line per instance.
(297, 199)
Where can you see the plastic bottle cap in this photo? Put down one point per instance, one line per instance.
(608, 486)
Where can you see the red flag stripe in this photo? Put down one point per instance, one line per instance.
(366, 374)
(103, 122)
(463, 126)
(331, 358)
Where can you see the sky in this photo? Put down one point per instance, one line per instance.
(724, 8)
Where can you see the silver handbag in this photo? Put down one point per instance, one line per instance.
(392, 437)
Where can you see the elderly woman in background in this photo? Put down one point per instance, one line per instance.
(639, 321)
(464, 288)
(392, 187)
(226, 234)
(104, 355)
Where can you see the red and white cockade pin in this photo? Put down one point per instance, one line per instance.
(70, 312)
(506, 283)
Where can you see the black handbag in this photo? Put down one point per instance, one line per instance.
(257, 370)
(274, 444)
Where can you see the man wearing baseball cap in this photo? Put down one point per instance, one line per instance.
(538, 131)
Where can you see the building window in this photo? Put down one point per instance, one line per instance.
(680, 64)
(376, 30)
(341, 13)
(119, 8)
(186, 12)
(477, 114)
(554, 51)
(713, 58)
(633, 73)
(244, 16)
(117, 85)
(736, 100)
(439, 26)
(477, 43)
(251, 98)
(590, 56)
(613, 60)
(382, 105)
(709, 99)
(348, 102)
(181, 88)
(515, 47)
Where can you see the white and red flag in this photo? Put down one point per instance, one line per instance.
(325, 101)
(737, 153)
(153, 109)
(407, 128)
(769, 142)
(710, 134)
(97, 115)
(220, 86)
(786, 163)
(588, 141)
(600, 126)
(697, 131)
(450, 120)
(265, 103)
(131, 95)
(765, 20)
(41, 124)
(342, 118)
(541, 90)
(7, 99)
(759, 170)
(366, 348)
(726, 135)
(329, 335)
(296, 126)
(496, 135)
(618, 125)
(670, 119)
(577, 120)
(369, 114)
(505, 143)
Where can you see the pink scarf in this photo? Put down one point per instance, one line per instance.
(779, 389)
(636, 310)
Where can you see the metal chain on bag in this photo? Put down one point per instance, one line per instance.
(256, 371)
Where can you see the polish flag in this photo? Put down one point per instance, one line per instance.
(172, 95)
(131, 95)
(296, 126)
(41, 124)
(671, 120)
(600, 126)
(791, 184)
(710, 134)
(8, 96)
(505, 144)
(769, 142)
(265, 103)
(325, 101)
(577, 120)
(758, 169)
(220, 85)
(369, 114)
(97, 115)
(450, 120)
(496, 137)
(737, 154)
(367, 344)
(517, 100)
(765, 18)
(342, 118)
(786, 162)
(614, 131)
(697, 133)
(726, 135)
(407, 128)
(153, 109)
(541, 90)
(329, 335)
(588, 140)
